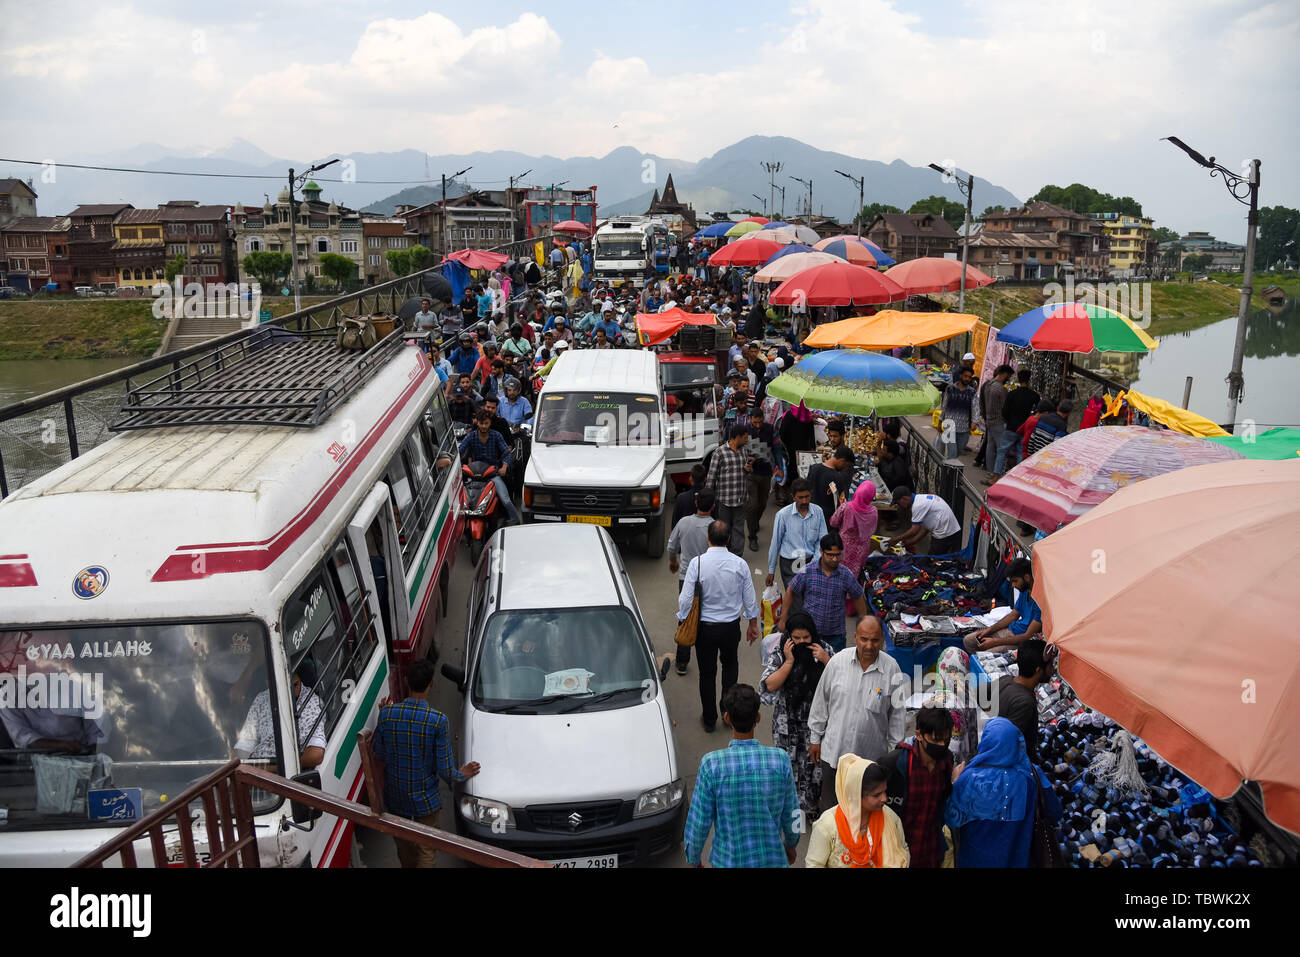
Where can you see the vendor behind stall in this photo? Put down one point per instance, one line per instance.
(930, 514)
(1024, 621)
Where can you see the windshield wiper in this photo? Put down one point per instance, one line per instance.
(530, 703)
(603, 696)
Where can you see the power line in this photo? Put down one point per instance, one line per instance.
(163, 172)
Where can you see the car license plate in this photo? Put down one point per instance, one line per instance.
(590, 519)
(602, 861)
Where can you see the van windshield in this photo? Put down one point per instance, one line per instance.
(99, 725)
(598, 418)
(566, 659)
(623, 247)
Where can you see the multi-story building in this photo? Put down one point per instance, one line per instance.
(138, 250)
(34, 253)
(1005, 254)
(380, 236)
(17, 201)
(1082, 247)
(1132, 250)
(476, 220)
(322, 228)
(90, 244)
(913, 235)
(202, 234)
(539, 209)
(1224, 256)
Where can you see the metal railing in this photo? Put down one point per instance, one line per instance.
(227, 822)
(39, 434)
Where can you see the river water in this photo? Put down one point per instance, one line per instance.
(23, 378)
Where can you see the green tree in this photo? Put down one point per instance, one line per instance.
(420, 256)
(1197, 262)
(1278, 225)
(1085, 199)
(949, 209)
(174, 267)
(1170, 253)
(992, 209)
(872, 210)
(339, 268)
(268, 268)
(1163, 234)
(399, 261)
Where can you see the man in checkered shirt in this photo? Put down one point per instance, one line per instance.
(728, 474)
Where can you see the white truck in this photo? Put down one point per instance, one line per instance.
(629, 247)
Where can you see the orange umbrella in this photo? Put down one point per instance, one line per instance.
(1171, 603)
(932, 274)
(889, 328)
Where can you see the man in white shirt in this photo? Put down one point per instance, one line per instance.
(930, 514)
(853, 709)
(726, 595)
(257, 737)
(796, 535)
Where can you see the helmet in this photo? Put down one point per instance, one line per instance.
(513, 383)
(466, 338)
(562, 344)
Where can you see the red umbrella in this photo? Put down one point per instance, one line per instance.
(932, 274)
(571, 226)
(836, 284)
(762, 221)
(751, 252)
(478, 258)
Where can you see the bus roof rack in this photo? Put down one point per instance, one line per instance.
(272, 377)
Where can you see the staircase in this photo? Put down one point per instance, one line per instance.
(192, 331)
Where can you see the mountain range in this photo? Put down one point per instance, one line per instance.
(626, 178)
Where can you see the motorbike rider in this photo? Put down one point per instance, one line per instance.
(492, 406)
(515, 409)
(461, 407)
(485, 445)
(613, 331)
(466, 357)
(516, 345)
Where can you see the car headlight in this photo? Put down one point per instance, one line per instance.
(487, 813)
(535, 497)
(660, 799)
(646, 499)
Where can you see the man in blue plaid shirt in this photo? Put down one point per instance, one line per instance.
(414, 742)
(745, 795)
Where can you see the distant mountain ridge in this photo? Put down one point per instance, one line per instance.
(625, 178)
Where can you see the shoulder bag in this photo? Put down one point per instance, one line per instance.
(688, 626)
(356, 333)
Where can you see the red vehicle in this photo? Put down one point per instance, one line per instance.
(482, 511)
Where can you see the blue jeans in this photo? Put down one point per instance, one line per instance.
(500, 484)
(1006, 457)
(951, 450)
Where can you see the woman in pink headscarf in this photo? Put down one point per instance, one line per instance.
(856, 519)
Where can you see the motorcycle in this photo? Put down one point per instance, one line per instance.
(483, 513)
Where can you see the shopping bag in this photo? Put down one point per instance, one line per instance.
(688, 626)
(771, 609)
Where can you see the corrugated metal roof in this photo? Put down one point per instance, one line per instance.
(40, 224)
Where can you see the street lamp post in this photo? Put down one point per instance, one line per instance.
(781, 190)
(761, 200)
(968, 189)
(1245, 190)
(446, 231)
(510, 201)
(808, 183)
(293, 224)
(858, 181)
(773, 168)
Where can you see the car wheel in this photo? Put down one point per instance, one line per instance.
(655, 542)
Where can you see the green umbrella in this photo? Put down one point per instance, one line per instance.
(1279, 443)
(740, 229)
(853, 382)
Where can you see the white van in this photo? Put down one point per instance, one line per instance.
(600, 435)
(563, 707)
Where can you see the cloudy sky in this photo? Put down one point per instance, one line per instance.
(1022, 92)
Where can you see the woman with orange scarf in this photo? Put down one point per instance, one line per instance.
(860, 831)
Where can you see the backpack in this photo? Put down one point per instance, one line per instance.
(356, 333)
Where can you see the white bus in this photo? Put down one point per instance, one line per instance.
(627, 247)
(233, 536)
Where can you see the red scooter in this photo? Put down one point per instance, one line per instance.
(482, 511)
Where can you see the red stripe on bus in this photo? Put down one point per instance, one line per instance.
(179, 566)
(340, 824)
(17, 576)
(11, 558)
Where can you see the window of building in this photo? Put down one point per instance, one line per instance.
(375, 259)
(347, 245)
(207, 249)
(322, 244)
(126, 274)
(139, 274)
(252, 245)
(176, 249)
(205, 229)
(211, 269)
(315, 270)
(398, 242)
(374, 242)
(129, 233)
(148, 273)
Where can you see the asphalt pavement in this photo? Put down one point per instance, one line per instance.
(656, 592)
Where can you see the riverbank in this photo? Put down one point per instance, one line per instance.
(93, 328)
(1175, 306)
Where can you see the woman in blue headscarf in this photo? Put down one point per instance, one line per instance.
(995, 799)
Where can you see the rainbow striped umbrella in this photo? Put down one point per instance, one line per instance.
(855, 383)
(1076, 327)
(846, 247)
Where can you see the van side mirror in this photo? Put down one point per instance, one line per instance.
(303, 813)
(454, 674)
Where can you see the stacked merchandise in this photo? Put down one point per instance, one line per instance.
(921, 598)
(1123, 804)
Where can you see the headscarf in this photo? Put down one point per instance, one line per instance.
(863, 497)
(801, 684)
(999, 782)
(883, 845)
(801, 412)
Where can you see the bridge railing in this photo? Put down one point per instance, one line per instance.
(39, 434)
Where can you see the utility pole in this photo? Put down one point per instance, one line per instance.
(510, 201)
(761, 200)
(967, 186)
(1245, 190)
(782, 191)
(772, 169)
(293, 225)
(446, 231)
(808, 183)
(858, 181)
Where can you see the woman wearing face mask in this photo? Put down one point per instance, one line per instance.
(789, 679)
(860, 831)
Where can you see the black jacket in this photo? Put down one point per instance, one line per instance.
(1020, 405)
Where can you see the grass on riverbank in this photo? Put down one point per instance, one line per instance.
(93, 328)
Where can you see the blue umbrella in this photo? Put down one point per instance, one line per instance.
(714, 231)
(855, 383)
(775, 225)
(787, 250)
(844, 247)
